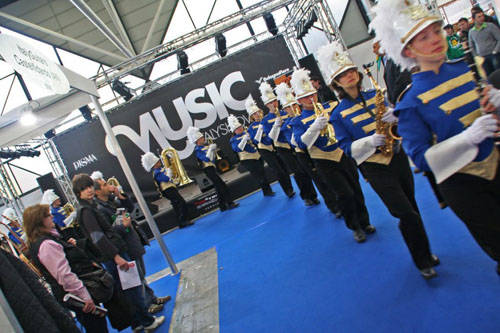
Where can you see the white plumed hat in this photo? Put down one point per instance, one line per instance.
(334, 60)
(233, 122)
(251, 106)
(397, 22)
(193, 134)
(49, 197)
(285, 95)
(9, 213)
(266, 93)
(148, 160)
(96, 175)
(301, 83)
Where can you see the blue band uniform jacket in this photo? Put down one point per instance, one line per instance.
(352, 121)
(268, 123)
(265, 142)
(439, 106)
(162, 180)
(250, 151)
(320, 149)
(201, 155)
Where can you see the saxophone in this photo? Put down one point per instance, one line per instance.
(328, 131)
(381, 127)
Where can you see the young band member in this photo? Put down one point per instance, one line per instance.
(248, 154)
(272, 128)
(206, 155)
(355, 120)
(52, 199)
(265, 143)
(166, 186)
(441, 121)
(336, 169)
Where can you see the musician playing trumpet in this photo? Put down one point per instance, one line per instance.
(335, 168)
(206, 155)
(443, 126)
(361, 122)
(164, 182)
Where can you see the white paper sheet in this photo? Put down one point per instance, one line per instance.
(130, 278)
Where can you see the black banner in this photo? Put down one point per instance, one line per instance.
(160, 118)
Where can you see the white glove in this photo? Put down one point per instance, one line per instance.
(70, 218)
(244, 141)
(377, 140)
(258, 134)
(275, 130)
(318, 124)
(389, 116)
(482, 128)
(494, 97)
(277, 122)
(170, 173)
(213, 146)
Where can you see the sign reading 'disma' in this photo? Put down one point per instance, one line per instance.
(33, 65)
(160, 118)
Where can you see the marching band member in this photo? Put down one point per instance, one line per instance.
(52, 199)
(166, 186)
(355, 120)
(206, 155)
(281, 134)
(265, 144)
(336, 169)
(10, 219)
(271, 125)
(441, 121)
(292, 108)
(248, 154)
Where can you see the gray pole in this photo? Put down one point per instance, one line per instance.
(131, 180)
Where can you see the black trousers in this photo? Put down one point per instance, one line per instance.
(179, 204)
(394, 185)
(92, 323)
(272, 159)
(302, 178)
(329, 196)
(256, 169)
(476, 201)
(220, 187)
(342, 178)
(434, 186)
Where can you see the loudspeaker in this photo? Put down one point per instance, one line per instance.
(47, 182)
(203, 182)
(324, 93)
(220, 45)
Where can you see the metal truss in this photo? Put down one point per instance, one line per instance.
(190, 39)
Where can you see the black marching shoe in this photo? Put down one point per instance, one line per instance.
(187, 224)
(369, 229)
(338, 214)
(359, 236)
(232, 205)
(316, 201)
(269, 193)
(290, 194)
(435, 260)
(222, 208)
(428, 273)
(308, 202)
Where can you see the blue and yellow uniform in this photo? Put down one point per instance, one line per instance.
(265, 142)
(268, 123)
(19, 233)
(168, 190)
(58, 216)
(436, 108)
(249, 152)
(389, 175)
(336, 170)
(162, 180)
(201, 155)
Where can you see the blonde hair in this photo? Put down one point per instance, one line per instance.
(33, 221)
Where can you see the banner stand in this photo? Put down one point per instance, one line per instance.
(133, 184)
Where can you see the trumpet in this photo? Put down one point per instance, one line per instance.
(170, 159)
(328, 131)
(217, 156)
(389, 130)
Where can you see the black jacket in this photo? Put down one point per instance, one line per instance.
(94, 226)
(396, 80)
(35, 309)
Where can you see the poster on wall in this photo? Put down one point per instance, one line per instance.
(160, 118)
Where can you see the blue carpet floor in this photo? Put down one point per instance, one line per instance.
(287, 268)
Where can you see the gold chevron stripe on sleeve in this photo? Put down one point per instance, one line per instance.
(360, 117)
(469, 118)
(370, 127)
(356, 107)
(445, 87)
(459, 101)
(306, 120)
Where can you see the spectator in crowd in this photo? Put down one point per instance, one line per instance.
(60, 263)
(484, 39)
(455, 50)
(463, 32)
(487, 18)
(109, 199)
(111, 249)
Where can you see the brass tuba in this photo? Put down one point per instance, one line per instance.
(381, 127)
(328, 131)
(68, 209)
(170, 159)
